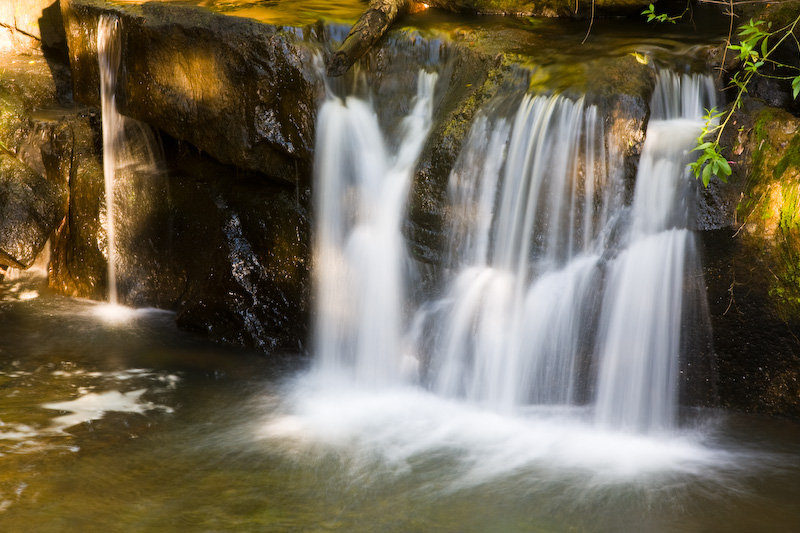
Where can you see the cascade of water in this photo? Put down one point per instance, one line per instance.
(360, 255)
(109, 53)
(542, 305)
(513, 318)
(639, 340)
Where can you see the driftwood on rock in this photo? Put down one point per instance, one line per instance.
(370, 27)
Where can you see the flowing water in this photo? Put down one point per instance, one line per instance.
(135, 426)
(537, 391)
(132, 165)
(109, 53)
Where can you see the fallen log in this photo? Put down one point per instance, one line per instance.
(370, 27)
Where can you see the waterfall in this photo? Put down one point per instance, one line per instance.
(525, 245)
(109, 53)
(556, 292)
(131, 158)
(639, 343)
(360, 254)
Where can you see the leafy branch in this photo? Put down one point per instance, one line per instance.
(661, 17)
(754, 51)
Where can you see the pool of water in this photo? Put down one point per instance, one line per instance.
(126, 424)
(281, 12)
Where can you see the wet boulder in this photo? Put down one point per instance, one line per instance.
(242, 91)
(30, 208)
(752, 264)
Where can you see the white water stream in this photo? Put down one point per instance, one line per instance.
(555, 344)
(109, 53)
(129, 149)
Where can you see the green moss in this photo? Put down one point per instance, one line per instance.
(790, 217)
(791, 159)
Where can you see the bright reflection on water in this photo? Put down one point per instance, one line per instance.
(139, 427)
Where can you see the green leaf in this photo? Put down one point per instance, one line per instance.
(764, 47)
(796, 86)
(706, 175)
(703, 146)
(725, 167)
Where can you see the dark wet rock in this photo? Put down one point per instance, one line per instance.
(246, 260)
(34, 185)
(239, 90)
(752, 264)
(30, 208)
(78, 264)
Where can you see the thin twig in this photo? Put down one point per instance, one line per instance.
(591, 21)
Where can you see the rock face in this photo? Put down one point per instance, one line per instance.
(30, 208)
(31, 24)
(241, 91)
(33, 185)
(752, 266)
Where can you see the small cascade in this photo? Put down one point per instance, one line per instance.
(639, 344)
(360, 257)
(109, 54)
(131, 157)
(556, 292)
(525, 241)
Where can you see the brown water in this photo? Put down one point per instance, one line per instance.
(279, 12)
(134, 426)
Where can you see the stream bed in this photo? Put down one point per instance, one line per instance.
(127, 424)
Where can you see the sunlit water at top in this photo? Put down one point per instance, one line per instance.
(280, 12)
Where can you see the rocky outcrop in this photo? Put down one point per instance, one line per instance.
(751, 237)
(752, 265)
(33, 186)
(242, 91)
(30, 208)
(27, 25)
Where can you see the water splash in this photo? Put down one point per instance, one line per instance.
(362, 189)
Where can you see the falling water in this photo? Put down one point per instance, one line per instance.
(642, 315)
(131, 159)
(513, 320)
(362, 186)
(109, 53)
(557, 293)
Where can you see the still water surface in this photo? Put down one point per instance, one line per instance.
(131, 425)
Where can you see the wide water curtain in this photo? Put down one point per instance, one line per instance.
(560, 294)
(362, 186)
(524, 242)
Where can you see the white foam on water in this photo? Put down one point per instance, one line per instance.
(403, 425)
(94, 406)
